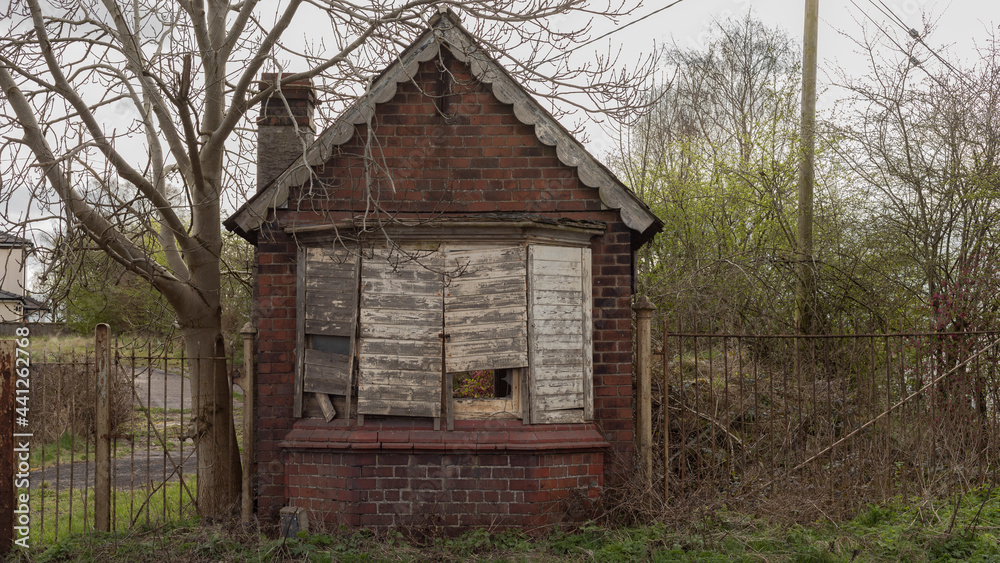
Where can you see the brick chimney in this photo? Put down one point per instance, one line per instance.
(282, 136)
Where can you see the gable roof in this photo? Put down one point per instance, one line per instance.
(29, 303)
(8, 240)
(446, 30)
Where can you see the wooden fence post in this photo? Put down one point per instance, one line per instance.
(249, 384)
(644, 409)
(7, 465)
(102, 458)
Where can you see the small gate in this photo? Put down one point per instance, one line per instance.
(108, 427)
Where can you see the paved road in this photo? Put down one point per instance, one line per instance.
(162, 389)
(126, 473)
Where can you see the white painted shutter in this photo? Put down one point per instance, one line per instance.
(560, 344)
(401, 318)
(485, 308)
(329, 309)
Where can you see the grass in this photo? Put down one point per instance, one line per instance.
(934, 531)
(68, 448)
(70, 513)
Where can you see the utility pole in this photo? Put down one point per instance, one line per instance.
(806, 289)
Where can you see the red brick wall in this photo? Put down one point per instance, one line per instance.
(484, 473)
(478, 159)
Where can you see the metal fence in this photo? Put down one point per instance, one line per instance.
(152, 469)
(823, 423)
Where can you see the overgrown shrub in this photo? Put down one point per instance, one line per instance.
(64, 399)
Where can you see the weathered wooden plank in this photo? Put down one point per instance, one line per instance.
(399, 408)
(483, 271)
(327, 373)
(562, 381)
(544, 313)
(403, 316)
(559, 327)
(330, 255)
(392, 303)
(557, 283)
(586, 275)
(456, 256)
(326, 406)
(373, 347)
(563, 399)
(557, 321)
(339, 272)
(555, 298)
(480, 286)
(487, 271)
(558, 268)
(325, 298)
(300, 332)
(486, 332)
(311, 408)
(391, 333)
(400, 392)
(557, 359)
(470, 316)
(425, 268)
(486, 409)
(543, 253)
(329, 328)
(328, 297)
(465, 360)
(411, 363)
(392, 292)
(401, 287)
(487, 338)
(572, 416)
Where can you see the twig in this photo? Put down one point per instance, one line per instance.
(954, 513)
(716, 423)
(971, 528)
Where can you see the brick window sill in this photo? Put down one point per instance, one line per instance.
(469, 436)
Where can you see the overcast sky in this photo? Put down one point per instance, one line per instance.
(958, 27)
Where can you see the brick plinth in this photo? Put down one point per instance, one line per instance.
(484, 473)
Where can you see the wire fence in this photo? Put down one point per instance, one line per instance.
(819, 425)
(153, 461)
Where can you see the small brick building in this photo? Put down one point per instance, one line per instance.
(443, 301)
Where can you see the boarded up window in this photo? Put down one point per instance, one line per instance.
(401, 318)
(561, 341)
(486, 309)
(498, 307)
(328, 304)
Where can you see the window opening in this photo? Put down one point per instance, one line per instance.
(330, 344)
(482, 384)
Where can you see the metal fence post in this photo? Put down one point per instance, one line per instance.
(666, 411)
(102, 457)
(249, 384)
(644, 409)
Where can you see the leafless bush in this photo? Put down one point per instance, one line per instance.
(64, 399)
(819, 434)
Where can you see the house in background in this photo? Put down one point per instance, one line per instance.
(15, 306)
(443, 291)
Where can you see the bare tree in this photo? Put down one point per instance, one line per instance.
(716, 160)
(160, 95)
(921, 141)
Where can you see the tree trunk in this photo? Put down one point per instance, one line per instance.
(219, 472)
